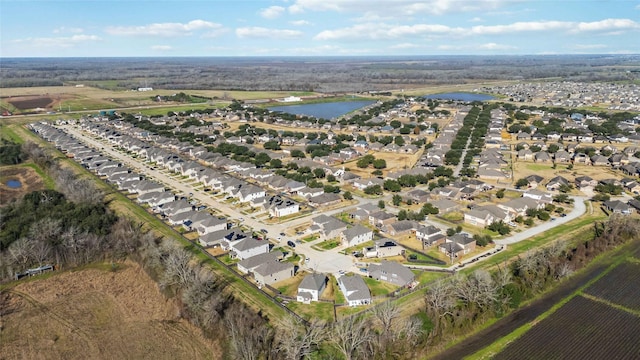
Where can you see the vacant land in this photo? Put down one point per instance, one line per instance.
(26, 175)
(96, 313)
(581, 329)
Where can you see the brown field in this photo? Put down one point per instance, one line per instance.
(581, 329)
(27, 176)
(96, 313)
(620, 286)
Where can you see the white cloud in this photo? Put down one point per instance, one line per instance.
(61, 42)
(476, 19)
(377, 31)
(449, 47)
(272, 12)
(68, 30)
(520, 27)
(299, 22)
(405, 46)
(589, 46)
(607, 25)
(260, 32)
(494, 46)
(161, 47)
(386, 8)
(384, 31)
(163, 29)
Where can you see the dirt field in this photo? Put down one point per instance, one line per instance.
(27, 176)
(97, 314)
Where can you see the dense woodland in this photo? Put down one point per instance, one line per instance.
(322, 74)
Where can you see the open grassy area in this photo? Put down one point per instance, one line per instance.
(322, 311)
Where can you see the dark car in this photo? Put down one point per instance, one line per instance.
(291, 243)
(264, 231)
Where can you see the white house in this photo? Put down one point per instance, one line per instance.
(211, 224)
(248, 247)
(356, 235)
(311, 288)
(355, 290)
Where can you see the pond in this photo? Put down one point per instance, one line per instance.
(14, 184)
(460, 96)
(328, 110)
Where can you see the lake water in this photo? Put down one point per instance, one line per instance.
(324, 110)
(14, 184)
(460, 96)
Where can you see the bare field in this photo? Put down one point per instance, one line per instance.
(27, 176)
(581, 329)
(96, 313)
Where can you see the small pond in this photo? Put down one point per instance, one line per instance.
(328, 110)
(460, 96)
(14, 184)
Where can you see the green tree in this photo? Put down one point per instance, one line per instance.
(319, 173)
(347, 195)
(379, 163)
(522, 183)
(402, 215)
(373, 190)
(396, 200)
(392, 185)
(500, 193)
(381, 204)
(297, 154)
(275, 163)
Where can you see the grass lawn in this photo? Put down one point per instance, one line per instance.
(328, 245)
(289, 287)
(322, 311)
(379, 288)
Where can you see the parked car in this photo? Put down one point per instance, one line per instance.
(264, 231)
(282, 234)
(291, 243)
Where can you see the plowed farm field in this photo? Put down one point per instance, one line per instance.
(581, 329)
(621, 286)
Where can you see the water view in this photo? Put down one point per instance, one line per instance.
(460, 96)
(14, 184)
(324, 110)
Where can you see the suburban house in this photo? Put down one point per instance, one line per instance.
(327, 199)
(584, 181)
(534, 180)
(311, 288)
(556, 183)
(381, 218)
(211, 224)
(222, 238)
(249, 192)
(401, 227)
(279, 207)
(391, 272)
(247, 248)
(618, 207)
(383, 248)
(328, 227)
(249, 264)
(519, 206)
(486, 215)
(429, 235)
(458, 245)
(355, 290)
(538, 195)
(356, 235)
(272, 272)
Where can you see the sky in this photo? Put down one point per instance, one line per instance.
(123, 28)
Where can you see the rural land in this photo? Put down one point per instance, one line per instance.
(320, 208)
